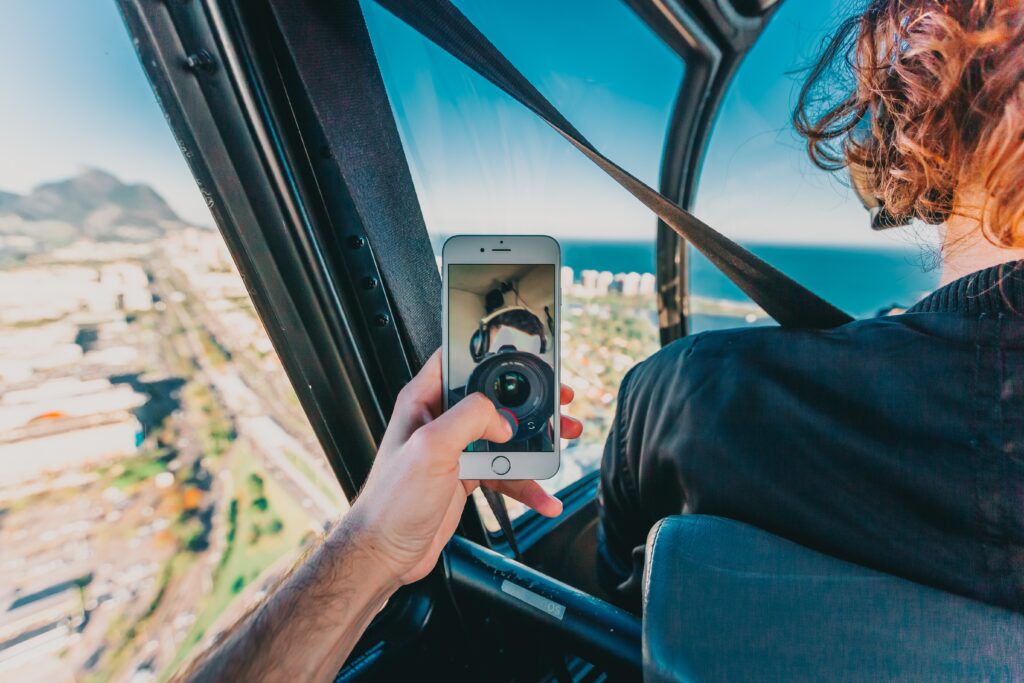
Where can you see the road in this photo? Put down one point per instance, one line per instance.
(251, 415)
(257, 414)
(266, 439)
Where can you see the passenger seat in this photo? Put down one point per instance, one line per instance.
(724, 601)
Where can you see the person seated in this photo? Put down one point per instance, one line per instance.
(896, 443)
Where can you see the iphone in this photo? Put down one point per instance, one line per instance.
(501, 320)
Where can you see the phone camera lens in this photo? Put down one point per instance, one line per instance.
(481, 250)
(512, 389)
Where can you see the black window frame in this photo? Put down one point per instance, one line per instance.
(338, 334)
(312, 296)
(714, 37)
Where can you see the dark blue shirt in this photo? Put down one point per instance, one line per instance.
(896, 443)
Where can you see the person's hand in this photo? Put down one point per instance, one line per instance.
(413, 498)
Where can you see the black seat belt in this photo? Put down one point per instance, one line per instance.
(784, 299)
(496, 502)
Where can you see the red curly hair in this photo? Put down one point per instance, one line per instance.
(925, 99)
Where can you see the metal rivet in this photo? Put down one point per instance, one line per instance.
(370, 282)
(382, 319)
(200, 61)
(356, 242)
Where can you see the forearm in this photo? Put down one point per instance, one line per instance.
(306, 629)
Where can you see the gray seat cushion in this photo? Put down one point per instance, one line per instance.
(724, 601)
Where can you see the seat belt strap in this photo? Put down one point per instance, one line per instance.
(496, 502)
(788, 302)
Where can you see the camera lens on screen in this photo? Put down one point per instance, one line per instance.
(512, 389)
(519, 381)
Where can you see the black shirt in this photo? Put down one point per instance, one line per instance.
(896, 443)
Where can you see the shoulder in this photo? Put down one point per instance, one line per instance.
(742, 355)
(711, 350)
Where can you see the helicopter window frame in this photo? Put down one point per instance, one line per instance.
(568, 490)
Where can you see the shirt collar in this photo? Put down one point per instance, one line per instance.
(998, 289)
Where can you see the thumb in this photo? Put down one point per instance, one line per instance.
(472, 418)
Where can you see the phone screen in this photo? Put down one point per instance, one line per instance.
(502, 342)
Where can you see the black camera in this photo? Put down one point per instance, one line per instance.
(519, 382)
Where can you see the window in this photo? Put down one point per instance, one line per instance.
(758, 187)
(482, 163)
(156, 470)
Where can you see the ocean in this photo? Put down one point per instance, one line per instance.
(859, 280)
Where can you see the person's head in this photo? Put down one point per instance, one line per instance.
(923, 100)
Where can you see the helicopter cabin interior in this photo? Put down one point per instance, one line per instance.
(286, 120)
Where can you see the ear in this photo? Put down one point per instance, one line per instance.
(480, 342)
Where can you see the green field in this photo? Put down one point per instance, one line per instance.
(247, 554)
(315, 478)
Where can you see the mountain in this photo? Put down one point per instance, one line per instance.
(94, 204)
(6, 199)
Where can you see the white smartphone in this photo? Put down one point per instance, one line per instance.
(501, 319)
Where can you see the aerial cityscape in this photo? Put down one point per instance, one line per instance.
(158, 471)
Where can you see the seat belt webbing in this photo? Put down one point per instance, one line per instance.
(784, 299)
(496, 502)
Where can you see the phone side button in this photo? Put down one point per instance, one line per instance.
(501, 465)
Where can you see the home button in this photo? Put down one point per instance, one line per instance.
(501, 465)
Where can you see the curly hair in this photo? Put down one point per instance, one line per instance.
(925, 100)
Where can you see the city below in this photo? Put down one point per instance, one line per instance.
(155, 463)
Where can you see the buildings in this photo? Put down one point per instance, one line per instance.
(62, 335)
(568, 278)
(40, 624)
(36, 295)
(65, 424)
(593, 283)
(52, 445)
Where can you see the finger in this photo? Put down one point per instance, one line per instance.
(571, 427)
(566, 395)
(470, 485)
(529, 493)
(418, 402)
(472, 418)
(425, 388)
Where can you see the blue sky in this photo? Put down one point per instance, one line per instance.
(481, 162)
(75, 95)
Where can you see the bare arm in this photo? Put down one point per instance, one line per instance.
(310, 623)
(393, 535)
